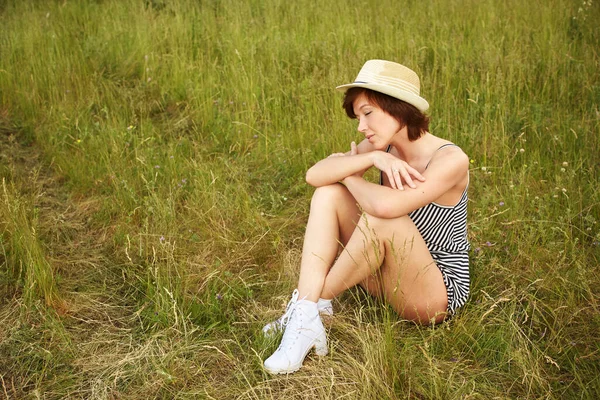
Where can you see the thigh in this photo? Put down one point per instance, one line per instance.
(409, 280)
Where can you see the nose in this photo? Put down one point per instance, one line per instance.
(362, 126)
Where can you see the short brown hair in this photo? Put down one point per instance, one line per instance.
(406, 114)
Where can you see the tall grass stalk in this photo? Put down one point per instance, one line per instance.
(24, 255)
(180, 133)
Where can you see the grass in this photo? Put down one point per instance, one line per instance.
(153, 205)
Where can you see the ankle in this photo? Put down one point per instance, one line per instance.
(325, 307)
(307, 295)
(324, 302)
(308, 305)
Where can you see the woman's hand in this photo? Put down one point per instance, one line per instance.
(338, 166)
(353, 151)
(397, 170)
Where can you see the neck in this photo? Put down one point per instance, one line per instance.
(410, 151)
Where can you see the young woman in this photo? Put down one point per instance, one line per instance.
(404, 240)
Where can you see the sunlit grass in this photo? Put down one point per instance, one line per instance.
(24, 258)
(178, 135)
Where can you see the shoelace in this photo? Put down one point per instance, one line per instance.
(289, 309)
(291, 335)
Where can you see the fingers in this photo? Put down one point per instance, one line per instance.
(395, 179)
(407, 178)
(414, 173)
(398, 176)
(353, 151)
(404, 174)
(398, 172)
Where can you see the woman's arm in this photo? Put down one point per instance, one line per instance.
(339, 165)
(333, 169)
(360, 158)
(443, 174)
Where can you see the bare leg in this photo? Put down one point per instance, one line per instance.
(408, 279)
(333, 215)
(330, 224)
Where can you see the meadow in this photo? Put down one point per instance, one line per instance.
(153, 201)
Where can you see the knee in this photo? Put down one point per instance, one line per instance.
(328, 195)
(383, 229)
(371, 222)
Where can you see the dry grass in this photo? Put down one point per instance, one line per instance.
(153, 153)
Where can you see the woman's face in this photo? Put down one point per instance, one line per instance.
(378, 126)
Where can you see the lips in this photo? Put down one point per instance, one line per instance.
(369, 137)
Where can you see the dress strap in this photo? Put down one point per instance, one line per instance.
(438, 149)
(381, 172)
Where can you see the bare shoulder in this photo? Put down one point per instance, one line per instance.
(449, 169)
(450, 157)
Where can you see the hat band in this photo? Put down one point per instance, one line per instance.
(383, 80)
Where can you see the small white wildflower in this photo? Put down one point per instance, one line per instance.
(564, 190)
(483, 169)
(562, 170)
(565, 164)
(521, 150)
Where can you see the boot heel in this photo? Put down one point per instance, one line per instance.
(321, 345)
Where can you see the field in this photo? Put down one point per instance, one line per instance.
(153, 201)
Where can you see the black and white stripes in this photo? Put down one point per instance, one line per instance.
(444, 230)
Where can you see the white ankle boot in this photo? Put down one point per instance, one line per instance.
(324, 306)
(303, 331)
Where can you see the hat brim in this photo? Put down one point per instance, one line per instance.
(411, 98)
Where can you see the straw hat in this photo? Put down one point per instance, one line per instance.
(392, 79)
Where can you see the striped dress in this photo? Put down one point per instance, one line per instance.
(444, 230)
